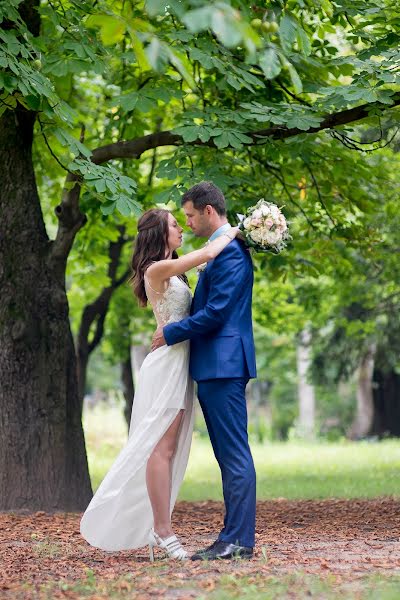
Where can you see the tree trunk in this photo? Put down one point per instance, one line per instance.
(138, 354)
(95, 314)
(43, 462)
(386, 393)
(306, 420)
(128, 388)
(362, 424)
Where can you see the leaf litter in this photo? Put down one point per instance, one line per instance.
(345, 539)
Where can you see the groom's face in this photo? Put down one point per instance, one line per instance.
(197, 220)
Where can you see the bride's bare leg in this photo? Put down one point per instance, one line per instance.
(159, 477)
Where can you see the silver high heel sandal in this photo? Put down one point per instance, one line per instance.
(170, 545)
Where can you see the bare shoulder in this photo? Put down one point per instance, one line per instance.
(156, 268)
(156, 278)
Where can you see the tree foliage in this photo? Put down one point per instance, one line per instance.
(287, 100)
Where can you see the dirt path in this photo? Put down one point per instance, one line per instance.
(344, 538)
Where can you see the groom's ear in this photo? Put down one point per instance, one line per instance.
(209, 210)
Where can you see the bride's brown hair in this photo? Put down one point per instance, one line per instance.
(150, 245)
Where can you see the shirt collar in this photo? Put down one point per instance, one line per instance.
(219, 231)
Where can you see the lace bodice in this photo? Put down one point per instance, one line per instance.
(173, 304)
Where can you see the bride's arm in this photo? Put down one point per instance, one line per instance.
(164, 269)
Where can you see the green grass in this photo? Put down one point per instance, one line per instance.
(290, 470)
(296, 586)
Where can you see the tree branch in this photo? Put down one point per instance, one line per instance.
(135, 148)
(97, 310)
(70, 220)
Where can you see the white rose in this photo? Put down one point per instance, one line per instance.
(257, 214)
(272, 237)
(246, 223)
(256, 236)
(265, 210)
(275, 212)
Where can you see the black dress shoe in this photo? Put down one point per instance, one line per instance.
(205, 550)
(223, 550)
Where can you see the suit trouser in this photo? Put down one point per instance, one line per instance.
(223, 403)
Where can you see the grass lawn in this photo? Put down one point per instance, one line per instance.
(259, 587)
(284, 470)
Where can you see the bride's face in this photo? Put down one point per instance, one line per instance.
(174, 233)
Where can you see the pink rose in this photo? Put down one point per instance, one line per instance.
(268, 223)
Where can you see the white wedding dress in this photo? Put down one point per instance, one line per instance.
(119, 517)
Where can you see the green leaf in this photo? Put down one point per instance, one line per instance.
(234, 82)
(234, 141)
(296, 81)
(127, 182)
(162, 197)
(181, 64)
(303, 122)
(198, 19)
(32, 102)
(108, 208)
(128, 101)
(287, 32)
(291, 31)
(145, 104)
(74, 145)
(270, 63)
(243, 138)
(327, 7)
(154, 53)
(224, 28)
(204, 134)
(156, 7)
(123, 206)
(202, 57)
(222, 141)
(189, 133)
(303, 41)
(100, 185)
(112, 29)
(141, 56)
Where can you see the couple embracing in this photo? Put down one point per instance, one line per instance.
(208, 339)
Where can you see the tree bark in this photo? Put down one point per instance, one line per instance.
(128, 388)
(386, 395)
(43, 462)
(362, 424)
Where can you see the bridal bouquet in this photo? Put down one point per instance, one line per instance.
(264, 227)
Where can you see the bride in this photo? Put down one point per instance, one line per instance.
(133, 505)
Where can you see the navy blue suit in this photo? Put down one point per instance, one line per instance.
(222, 359)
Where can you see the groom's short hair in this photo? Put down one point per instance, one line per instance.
(204, 193)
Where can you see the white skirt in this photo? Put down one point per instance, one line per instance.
(119, 517)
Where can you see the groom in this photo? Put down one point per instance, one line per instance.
(222, 360)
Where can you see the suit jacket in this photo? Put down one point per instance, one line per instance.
(220, 324)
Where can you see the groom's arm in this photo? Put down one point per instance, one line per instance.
(227, 277)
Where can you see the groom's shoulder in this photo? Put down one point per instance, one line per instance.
(235, 250)
(237, 247)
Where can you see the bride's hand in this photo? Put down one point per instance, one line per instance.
(238, 233)
(158, 339)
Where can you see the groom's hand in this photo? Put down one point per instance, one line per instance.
(158, 339)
